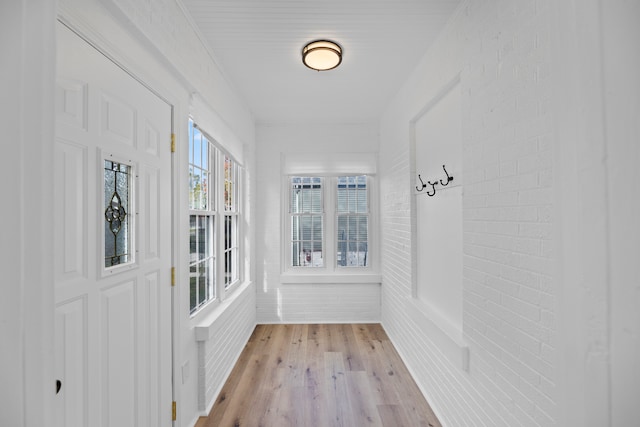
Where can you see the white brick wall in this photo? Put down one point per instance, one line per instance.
(502, 51)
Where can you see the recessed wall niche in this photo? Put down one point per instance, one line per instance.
(436, 133)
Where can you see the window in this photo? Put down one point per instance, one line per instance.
(329, 222)
(213, 219)
(117, 230)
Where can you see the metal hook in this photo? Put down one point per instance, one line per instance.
(449, 178)
(421, 182)
(433, 186)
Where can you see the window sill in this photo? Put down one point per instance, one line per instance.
(332, 278)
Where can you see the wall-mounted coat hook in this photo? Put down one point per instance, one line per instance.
(433, 187)
(422, 184)
(449, 178)
(432, 192)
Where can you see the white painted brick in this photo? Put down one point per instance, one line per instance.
(535, 362)
(518, 213)
(503, 228)
(545, 214)
(536, 230)
(548, 354)
(502, 199)
(504, 286)
(535, 197)
(548, 302)
(532, 247)
(548, 319)
(534, 264)
(519, 182)
(519, 276)
(544, 335)
(507, 215)
(524, 309)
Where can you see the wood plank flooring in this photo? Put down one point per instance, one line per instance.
(320, 376)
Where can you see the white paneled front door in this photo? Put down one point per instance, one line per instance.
(112, 244)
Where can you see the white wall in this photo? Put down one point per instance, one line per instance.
(308, 302)
(502, 52)
(156, 42)
(27, 64)
(597, 204)
(621, 46)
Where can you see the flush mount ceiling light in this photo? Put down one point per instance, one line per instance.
(322, 55)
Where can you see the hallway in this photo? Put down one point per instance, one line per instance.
(510, 295)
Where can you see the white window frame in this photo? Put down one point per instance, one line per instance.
(331, 272)
(217, 211)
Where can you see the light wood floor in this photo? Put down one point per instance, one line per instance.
(317, 376)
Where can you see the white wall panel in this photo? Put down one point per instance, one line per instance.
(71, 262)
(150, 319)
(71, 103)
(71, 351)
(149, 178)
(117, 368)
(151, 138)
(117, 120)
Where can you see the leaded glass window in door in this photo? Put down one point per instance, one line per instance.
(117, 223)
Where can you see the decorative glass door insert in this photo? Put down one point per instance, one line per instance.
(117, 228)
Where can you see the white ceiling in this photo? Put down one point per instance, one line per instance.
(258, 44)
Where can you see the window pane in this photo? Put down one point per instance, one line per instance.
(316, 221)
(196, 187)
(362, 205)
(116, 213)
(204, 191)
(352, 233)
(363, 228)
(193, 286)
(306, 229)
(192, 236)
(205, 154)
(202, 281)
(306, 221)
(230, 185)
(316, 200)
(201, 260)
(197, 148)
(231, 272)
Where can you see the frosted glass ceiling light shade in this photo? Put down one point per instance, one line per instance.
(322, 55)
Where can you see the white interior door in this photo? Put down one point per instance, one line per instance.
(112, 244)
